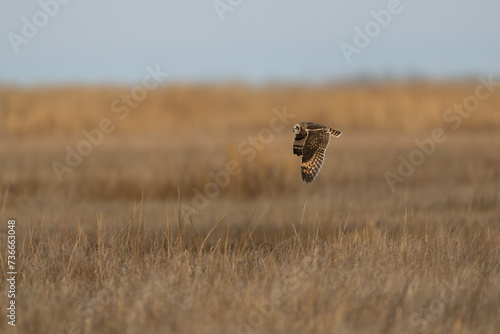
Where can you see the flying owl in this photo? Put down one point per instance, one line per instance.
(311, 141)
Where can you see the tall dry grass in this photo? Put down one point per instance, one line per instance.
(383, 277)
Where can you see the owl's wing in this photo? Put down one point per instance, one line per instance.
(314, 153)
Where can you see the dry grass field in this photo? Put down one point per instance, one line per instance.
(152, 232)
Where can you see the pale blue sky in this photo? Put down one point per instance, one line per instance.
(91, 41)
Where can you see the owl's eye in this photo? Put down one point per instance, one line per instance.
(296, 128)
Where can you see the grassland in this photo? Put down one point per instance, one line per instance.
(111, 248)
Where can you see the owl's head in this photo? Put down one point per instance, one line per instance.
(296, 129)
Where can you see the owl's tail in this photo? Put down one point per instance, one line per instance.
(335, 133)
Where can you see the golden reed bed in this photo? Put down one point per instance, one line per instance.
(146, 229)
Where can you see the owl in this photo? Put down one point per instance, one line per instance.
(311, 141)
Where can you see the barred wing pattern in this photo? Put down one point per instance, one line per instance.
(314, 153)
